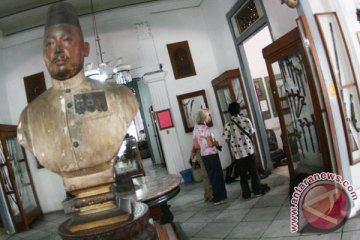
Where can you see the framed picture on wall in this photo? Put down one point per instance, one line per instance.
(344, 78)
(190, 104)
(164, 119)
(181, 60)
(34, 85)
(262, 98)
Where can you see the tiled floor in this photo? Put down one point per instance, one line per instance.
(265, 217)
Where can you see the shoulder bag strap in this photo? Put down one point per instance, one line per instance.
(242, 130)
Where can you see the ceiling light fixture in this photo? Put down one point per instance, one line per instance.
(104, 71)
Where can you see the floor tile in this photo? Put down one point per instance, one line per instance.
(282, 238)
(271, 200)
(249, 230)
(205, 215)
(232, 215)
(262, 214)
(191, 229)
(182, 216)
(216, 230)
(352, 224)
(279, 228)
(241, 203)
(326, 236)
(34, 235)
(353, 235)
(284, 213)
(204, 238)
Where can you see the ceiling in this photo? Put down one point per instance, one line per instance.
(20, 15)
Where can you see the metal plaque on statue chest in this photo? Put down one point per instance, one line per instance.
(90, 102)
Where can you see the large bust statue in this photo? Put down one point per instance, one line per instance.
(76, 127)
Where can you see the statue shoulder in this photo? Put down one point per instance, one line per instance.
(42, 99)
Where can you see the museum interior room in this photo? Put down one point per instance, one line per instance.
(292, 65)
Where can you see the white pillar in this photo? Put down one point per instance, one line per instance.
(175, 161)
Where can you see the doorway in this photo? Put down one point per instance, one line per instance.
(252, 48)
(142, 127)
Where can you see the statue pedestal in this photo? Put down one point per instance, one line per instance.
(136, 227)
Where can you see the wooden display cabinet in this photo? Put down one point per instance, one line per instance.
(228, 88)
(301, 109)
(16, 182)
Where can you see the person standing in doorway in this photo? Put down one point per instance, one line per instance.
(204, 140)
(238, 133)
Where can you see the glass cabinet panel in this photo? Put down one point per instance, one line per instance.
(22, 179)
(299, 106)
(16, 182)
(129, 159)
(298, 114)
(224, 101)
(228, 88)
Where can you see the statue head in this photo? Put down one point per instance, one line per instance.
(64, 48)
(290, 3)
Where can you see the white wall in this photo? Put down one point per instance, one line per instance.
(281, 17)
(214, 14)
(4, 105)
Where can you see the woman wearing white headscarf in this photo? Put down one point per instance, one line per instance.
(204, 141)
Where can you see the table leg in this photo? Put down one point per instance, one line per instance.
(161, 213)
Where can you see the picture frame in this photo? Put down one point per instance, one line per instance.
(181, 60)
(262, 98)
(244, 14)
(344, 79)
(190, 104)
(34, 85)
(164, 119)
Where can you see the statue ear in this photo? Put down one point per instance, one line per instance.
(86, 49)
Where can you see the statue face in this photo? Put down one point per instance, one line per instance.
(64, 51)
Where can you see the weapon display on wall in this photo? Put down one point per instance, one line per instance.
(297, 102)
(298, 136)
(308, 125)
(292, 105)
(302, 125)
(353, 143)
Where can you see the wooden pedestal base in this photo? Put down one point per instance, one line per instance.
(138, 227)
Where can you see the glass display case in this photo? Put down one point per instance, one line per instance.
(228, 88)
(300, 107)
(129, 159)
(16, 182)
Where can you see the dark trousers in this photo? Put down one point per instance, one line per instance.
(245, 165)
(216, 176)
